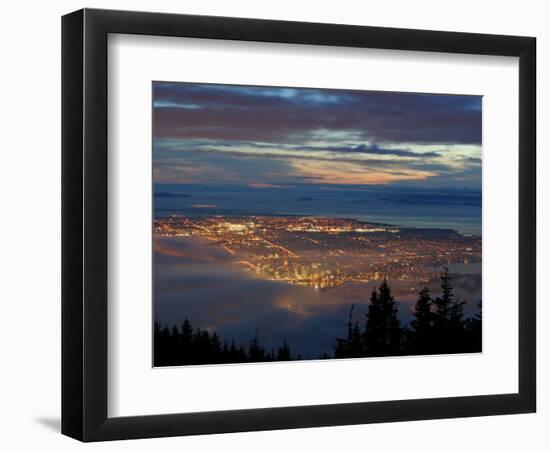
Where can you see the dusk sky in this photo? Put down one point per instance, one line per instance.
(244, 174)
(270, 137)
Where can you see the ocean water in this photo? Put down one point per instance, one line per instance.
(204, 284)
(459, 210)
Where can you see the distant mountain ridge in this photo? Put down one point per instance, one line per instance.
(170, 195)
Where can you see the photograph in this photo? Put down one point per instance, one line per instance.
(296, 223)
(265, 225)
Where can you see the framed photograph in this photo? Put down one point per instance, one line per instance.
(273, 224)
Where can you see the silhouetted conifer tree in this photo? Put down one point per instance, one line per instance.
(422, 337)
(234, 353)
(283, 353)
(473, 329)
(241, 355)
(341, 348)
(256, 352)
(374, 332)
(352, 346)
(158, 345)
(442, 313)
(383, 329)
(438, 327)
(444, 304)
(186, 342)
(457, 330)
(356, 345)
(449, 326)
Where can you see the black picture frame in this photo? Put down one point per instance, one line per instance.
(84, 224)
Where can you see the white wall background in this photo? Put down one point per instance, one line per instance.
(30, 226)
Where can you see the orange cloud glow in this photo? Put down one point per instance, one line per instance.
(349, 173)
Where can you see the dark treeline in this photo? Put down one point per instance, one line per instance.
(183, 346)
(438, 327)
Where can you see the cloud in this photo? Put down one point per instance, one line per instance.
(268, 165)
(286, 114)
(263, 136)
(473, 160)
(374, 149)
(350, 173)
(199, 282)
(298, 155)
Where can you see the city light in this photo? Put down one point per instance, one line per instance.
(343, 250)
